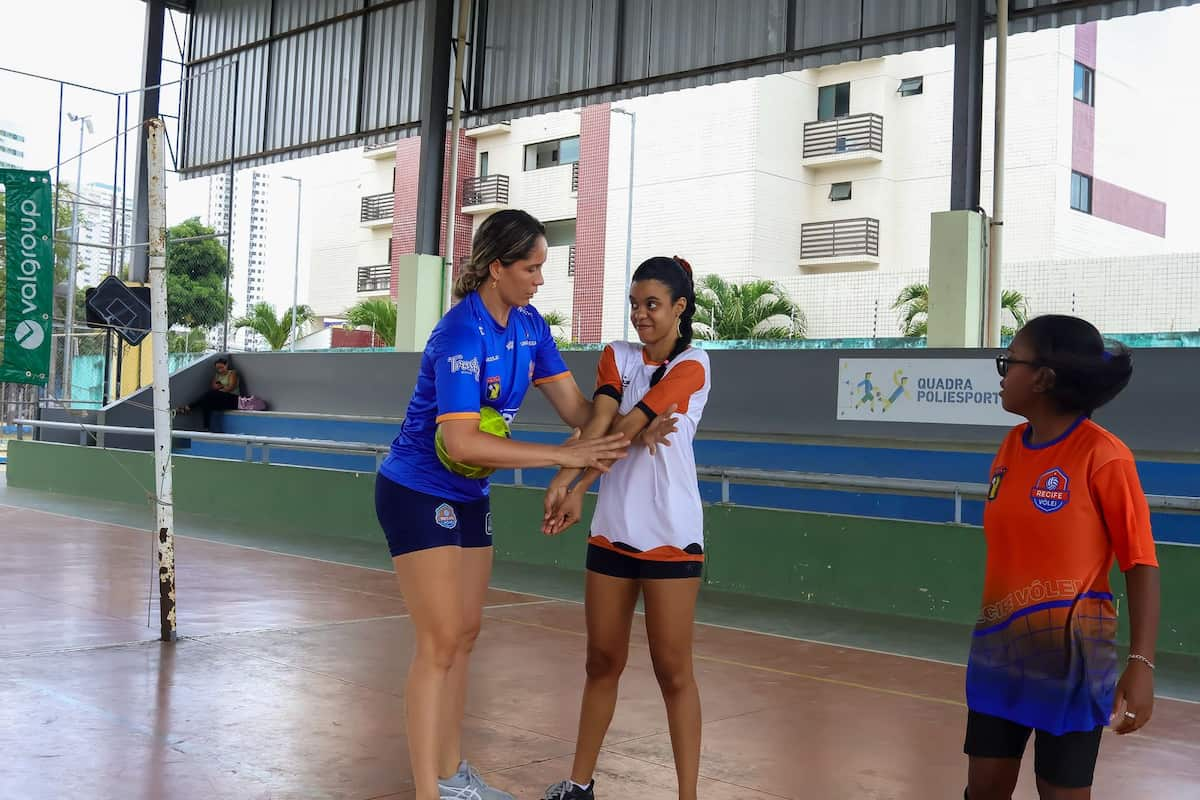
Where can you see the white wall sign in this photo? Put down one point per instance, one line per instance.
(947, 391)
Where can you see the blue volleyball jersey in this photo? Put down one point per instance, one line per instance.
(470, 361)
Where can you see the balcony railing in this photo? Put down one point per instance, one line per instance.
(843, 237)
(376, 278)
(575, 176)
(377, 206)
(571, 261)
(489, 189)
(863, 132)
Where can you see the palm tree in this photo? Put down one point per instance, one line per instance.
(913, 301)
(276, 330)
(378, 314)
(757, 309)
(559, 320)
(1014, 303)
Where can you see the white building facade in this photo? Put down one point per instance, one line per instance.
(824, 181)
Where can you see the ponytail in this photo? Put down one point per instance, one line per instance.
(676, 274)
(1088, 372)
(507, 236)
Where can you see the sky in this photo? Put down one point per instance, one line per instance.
(101, 47)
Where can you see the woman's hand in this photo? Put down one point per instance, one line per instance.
(567, 513)
(659, 429)
(1135, 696)
(593, 453)
(554, 497)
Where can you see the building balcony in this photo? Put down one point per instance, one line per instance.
(377, 278)
(848, 140)
(839, 245)
(484, 131)
(485, 195)
(376, 210)
(381, 151)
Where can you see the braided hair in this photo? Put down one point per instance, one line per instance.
(676, 274)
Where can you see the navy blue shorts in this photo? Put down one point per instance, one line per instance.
(415, 521)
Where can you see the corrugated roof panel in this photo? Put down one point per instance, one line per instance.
(541, 55)
(292, 14)
(314, 85)
(391, 90)
(220, 25)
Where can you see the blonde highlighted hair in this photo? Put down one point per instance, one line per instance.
(506, 236)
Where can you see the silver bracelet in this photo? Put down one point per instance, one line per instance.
(1143, 659)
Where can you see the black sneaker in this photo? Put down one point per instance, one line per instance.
(566, 790)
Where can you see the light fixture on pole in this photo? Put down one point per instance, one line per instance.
(629, 212)
(85, 121)
(296, 259)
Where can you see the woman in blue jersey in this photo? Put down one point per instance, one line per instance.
(487, 350)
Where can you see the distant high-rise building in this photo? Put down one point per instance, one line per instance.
(12, 146)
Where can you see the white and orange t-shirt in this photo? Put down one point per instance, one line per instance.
(649, 505)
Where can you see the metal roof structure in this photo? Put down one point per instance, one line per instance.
(271, 80)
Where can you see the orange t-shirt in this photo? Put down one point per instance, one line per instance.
(1043, 652)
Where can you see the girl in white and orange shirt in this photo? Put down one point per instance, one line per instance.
(647, 531)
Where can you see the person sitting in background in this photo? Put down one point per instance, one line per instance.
(222, 394)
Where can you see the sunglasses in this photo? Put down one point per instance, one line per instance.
(1004, 361)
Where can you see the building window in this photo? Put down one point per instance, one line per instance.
(833, 102)
(1081, 192)
(551, 154)
(560, 232)
(1085, 84)
(483, 164)
(911, 86)
(839, 191)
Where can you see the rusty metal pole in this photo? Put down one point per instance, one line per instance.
(164, 512)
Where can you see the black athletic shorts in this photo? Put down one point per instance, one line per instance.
(619, 565)
(1065, 761)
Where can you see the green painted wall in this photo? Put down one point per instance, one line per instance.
(911, 569)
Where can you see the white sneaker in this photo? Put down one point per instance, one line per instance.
(466, 784)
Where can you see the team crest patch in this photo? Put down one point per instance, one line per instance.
(445, 516)
(487, 523)
(1052, 491)
(493, 388)
(994, 487)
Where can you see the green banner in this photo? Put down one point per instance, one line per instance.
(29, 269)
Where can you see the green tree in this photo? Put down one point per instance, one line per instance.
(757, 309)
(1014, 303)
(189, 341)
(557, 319)
(275, 329)
(196, 273)
(379, 314)
(913, 302)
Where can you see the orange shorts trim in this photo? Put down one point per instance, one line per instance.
(663, 553)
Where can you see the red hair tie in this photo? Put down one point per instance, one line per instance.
(683, 263)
